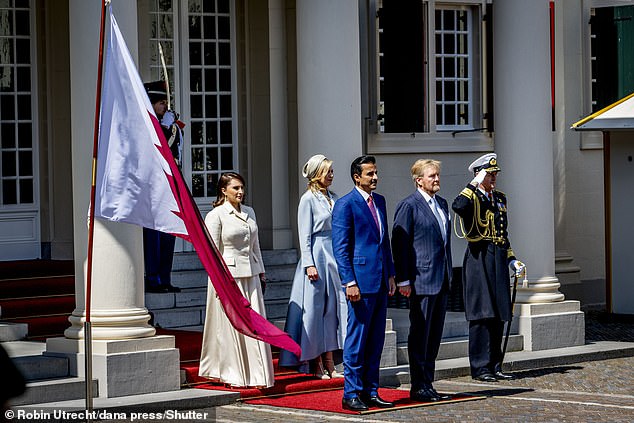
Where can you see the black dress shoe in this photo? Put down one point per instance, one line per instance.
(503, 376)
(377, 401)
(441, 396)
(424, 395)
(353, 404)
(486, 377)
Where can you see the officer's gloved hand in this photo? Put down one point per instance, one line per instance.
(517, 267)
(168, 119)
(479, 178)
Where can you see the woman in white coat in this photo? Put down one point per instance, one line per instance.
(227, 355)
(316, 317)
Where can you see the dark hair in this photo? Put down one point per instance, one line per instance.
(224, 180)
(355, 167)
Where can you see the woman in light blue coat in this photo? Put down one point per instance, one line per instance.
(317, 310)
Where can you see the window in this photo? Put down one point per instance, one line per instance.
(18, 158)
(211, 93)
(454, 82)
(433, 79)
(197, 39)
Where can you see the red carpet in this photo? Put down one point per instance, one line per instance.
(39, 293)
(293, 383)
(291, 389)
(286, 380)
(330, 401)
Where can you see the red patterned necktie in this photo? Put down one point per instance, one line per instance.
(373, 211)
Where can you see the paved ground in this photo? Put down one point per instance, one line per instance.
(596, 391)
(599, 391)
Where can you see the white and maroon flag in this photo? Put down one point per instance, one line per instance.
(139, 182)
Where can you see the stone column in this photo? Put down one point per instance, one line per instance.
(124, 348)
(282, 234)
(569, 100)
(523, 141)
(328, 85)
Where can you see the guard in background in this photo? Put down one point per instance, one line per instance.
(485, 274)
(158, 247)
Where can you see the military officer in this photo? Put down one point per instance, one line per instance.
(158, 247)
(485, 275)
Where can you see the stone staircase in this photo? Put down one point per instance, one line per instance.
(48, 378)
(185, 310)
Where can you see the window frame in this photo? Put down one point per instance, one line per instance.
(33, 206)
(180, 86)
(474, 139)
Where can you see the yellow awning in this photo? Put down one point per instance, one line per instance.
(616, 116)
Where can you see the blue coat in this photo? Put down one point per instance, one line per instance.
(362, 253)
(317, 310)
(420, 254)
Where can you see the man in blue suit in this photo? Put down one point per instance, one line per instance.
(421, 241)
(361, 246)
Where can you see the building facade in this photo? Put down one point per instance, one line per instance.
(263, 85)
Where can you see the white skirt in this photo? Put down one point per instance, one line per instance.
(229, 356)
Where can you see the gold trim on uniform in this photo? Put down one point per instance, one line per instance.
(510, 253)
(485, 228)
(469, 193)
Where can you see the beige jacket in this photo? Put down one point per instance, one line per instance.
(236, 236)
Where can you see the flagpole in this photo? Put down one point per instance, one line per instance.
(91, 218)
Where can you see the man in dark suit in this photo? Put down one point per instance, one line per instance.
(421, 243)
(485, 276)
(361, 246)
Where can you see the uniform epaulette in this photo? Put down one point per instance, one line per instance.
(469, 193)
(500, 192)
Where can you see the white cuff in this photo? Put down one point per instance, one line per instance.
(352, 283)
(403, 283)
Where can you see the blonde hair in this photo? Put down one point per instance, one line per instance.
(313, 180)
(419, 166)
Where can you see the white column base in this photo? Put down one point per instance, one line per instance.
(112, 324)
(551, 325)
(543, 290)
(125, 366)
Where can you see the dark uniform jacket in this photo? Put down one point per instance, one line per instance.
(485, 273)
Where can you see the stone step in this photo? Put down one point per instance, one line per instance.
(193, 278)
(179, 317)
(13, 331)
(198, 278)
(189, 260)
(186, 261)
(457, 347)
(278, 290)
(46, 391)
(280, 273)
(280, 257)
(186, 298)
(455, 324)
(276, 309)
(28, 358)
